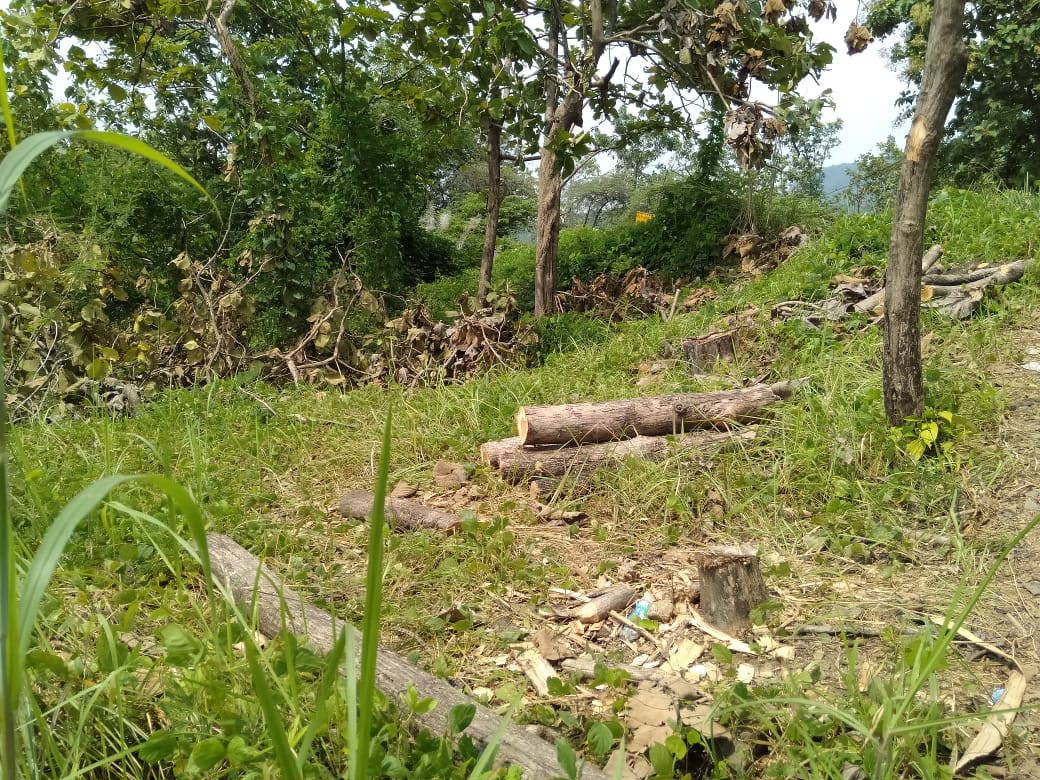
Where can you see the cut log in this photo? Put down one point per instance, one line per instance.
(731, 586)
(876, 302)
(949, 284)
(578, 463)
(258, 591)
(586, 423)
(401, 513)
(491, 452)
(702, 352)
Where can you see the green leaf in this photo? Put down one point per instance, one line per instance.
(283, 752)
(599, 739)
(460, 716)
(567, 758)
(206, 755)
(662, 760)
(161, 746)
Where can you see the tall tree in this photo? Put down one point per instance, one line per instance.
(718, 51)
(945, 61)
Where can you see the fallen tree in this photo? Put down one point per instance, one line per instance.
(605, 421)
(258, 591)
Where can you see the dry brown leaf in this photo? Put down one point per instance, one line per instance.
(993, 731)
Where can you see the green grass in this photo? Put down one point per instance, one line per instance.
(127, 653)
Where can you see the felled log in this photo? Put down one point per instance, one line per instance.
(580, 462)
(491, 452)
(257, 590)
(731, 586)
(400, 512)
(586, 423)
(877, 300)
(953, 283)
(702, 352)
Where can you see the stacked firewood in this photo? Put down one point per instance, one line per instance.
(572, 440)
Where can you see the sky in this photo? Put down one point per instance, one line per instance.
(864, 90)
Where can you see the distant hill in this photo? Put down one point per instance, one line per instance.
(836, 178)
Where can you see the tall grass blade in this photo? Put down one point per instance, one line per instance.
(488, 754)
(352, 703)
(5, 105)
(373, 605)
(21, 156)
(329, 679)
(283, 753)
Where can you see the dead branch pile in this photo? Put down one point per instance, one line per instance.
(757, 254)
(955, 293)
(418, 351)
(617, 297)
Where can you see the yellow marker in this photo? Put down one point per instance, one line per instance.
(643, 216)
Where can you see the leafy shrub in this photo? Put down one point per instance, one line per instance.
(568, 331)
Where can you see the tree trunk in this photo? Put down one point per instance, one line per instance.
(494, 207)
(656, 415)
(258, 591)
(945, 62)
(547, 232)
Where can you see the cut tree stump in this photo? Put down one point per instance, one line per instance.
(731, 586)
(258, 591)
(400, 512)
(586, 423)
(702, 352)
(579, 462)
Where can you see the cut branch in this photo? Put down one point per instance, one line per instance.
(400, 512)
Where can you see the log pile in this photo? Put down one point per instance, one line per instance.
(955, 293)
(572, 440)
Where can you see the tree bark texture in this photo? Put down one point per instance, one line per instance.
(569, 80)
(659, 415)
(401, 513)
(494, 207)
(946, 59)
(579, 462)
(547, 232)
(258, 591)
(731, 586)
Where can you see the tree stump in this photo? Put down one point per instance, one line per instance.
(702, 352)
(731, 585)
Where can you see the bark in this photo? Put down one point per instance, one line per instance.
(494, 207)
(547, 232)
(578, 462)
(258, 591)
(946, 59)
(647, 416)
(731, 586)
(562, 114)
(400, 512)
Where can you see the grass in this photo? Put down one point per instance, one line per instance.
(130, 669)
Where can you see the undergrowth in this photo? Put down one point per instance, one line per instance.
(126, 650)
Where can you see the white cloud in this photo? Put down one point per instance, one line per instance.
(864, 90)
